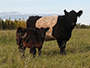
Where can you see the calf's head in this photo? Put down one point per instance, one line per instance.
(43, 32)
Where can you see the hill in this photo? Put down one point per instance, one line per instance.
(17, 15)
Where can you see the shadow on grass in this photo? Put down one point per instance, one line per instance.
(88, 48)
(68, 51)
(78, 50)
(51, 52)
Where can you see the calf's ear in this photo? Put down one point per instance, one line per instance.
(19, 28)
(79, 13)
(46, 29)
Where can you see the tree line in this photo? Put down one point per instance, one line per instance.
(14, 24)
(82, 26)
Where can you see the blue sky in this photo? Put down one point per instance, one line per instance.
(47, 7)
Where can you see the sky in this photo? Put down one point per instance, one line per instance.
(47, 7)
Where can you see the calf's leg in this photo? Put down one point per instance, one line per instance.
(39, 50)
(30, 50)
(33, 51)
(22, 51)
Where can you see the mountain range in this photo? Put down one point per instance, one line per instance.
(17, 15)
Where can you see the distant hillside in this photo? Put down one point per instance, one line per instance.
(17, 15)
(13, 15)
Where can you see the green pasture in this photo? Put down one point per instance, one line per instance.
(77, 49)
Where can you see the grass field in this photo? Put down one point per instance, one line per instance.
(77, 49)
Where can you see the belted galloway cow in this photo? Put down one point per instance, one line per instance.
(60, 26)
(32, 38)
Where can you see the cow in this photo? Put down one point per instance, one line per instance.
(32, 38)
(60, 27)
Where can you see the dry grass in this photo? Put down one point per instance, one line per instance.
(77, 49)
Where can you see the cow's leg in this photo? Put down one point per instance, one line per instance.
(62, 45)
(39, 50)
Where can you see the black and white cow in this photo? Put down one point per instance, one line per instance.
(60, 26)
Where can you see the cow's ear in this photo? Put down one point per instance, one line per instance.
(79, 13)
(66, 13)
(46, 29)
(24, 35)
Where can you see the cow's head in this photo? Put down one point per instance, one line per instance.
(72, 16)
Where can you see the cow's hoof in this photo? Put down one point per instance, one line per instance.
(62, 53)
(22, 57)
(33, 56)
